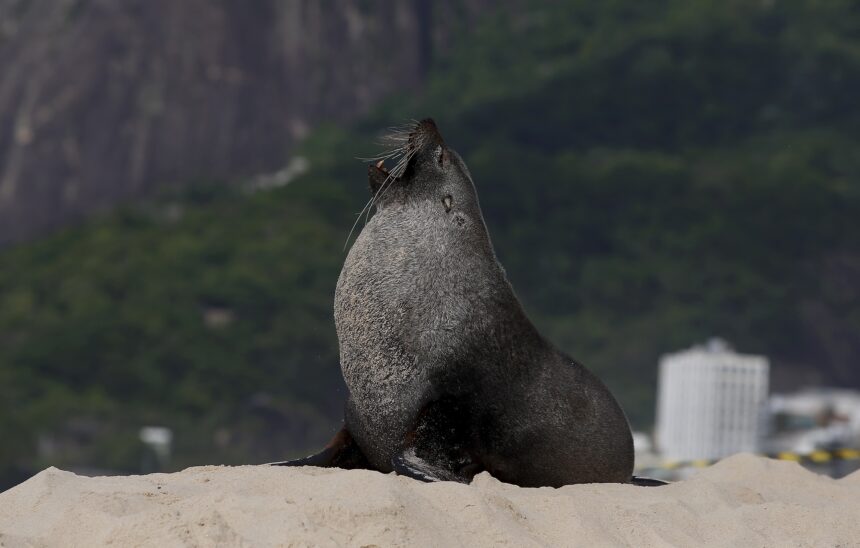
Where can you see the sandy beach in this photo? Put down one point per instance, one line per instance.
(741, 501)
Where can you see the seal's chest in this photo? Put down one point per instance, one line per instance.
(401, 292)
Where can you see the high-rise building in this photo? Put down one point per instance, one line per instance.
(711, 402)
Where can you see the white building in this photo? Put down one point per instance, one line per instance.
(711, 402)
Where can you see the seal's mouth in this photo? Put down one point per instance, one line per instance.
(380, 165)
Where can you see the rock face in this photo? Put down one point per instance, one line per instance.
(101, 100)
(742, 501)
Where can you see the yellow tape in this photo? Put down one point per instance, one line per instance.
(820, 456)
(789, 456)
(848, 454)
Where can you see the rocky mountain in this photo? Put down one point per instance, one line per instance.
(102, 100)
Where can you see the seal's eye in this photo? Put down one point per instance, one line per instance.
(446, 201)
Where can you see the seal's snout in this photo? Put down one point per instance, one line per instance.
(408, 146)
(426, 132)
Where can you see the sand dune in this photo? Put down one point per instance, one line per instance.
(741, 501)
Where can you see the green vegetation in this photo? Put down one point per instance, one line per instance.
(652, 173)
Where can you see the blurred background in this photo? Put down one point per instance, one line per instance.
(178, 179)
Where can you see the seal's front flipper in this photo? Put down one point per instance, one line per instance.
(647, 482)
(411, 465)
(439, 448)
(341, 452)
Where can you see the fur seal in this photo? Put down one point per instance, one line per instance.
(447, 376)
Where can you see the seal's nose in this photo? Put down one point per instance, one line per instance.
(427, 132)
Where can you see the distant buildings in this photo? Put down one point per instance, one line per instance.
(812, 419)
(712, 402)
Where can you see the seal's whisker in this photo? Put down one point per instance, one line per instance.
(403, 143)
(386, 156)
(366, 207)
(396, 133)
(379, 193)
(365, 211)
(401, 165)
(396, 172)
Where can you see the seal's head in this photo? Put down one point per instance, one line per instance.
(426, 169)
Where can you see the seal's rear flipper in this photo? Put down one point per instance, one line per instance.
(341, 452)
(411, 465)
(647, 482)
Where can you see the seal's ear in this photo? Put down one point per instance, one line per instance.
(375, 178)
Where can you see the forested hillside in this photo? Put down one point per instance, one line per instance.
(651, 176)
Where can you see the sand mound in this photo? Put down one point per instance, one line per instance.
(741, 501)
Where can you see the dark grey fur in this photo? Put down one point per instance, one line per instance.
(427, 319)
